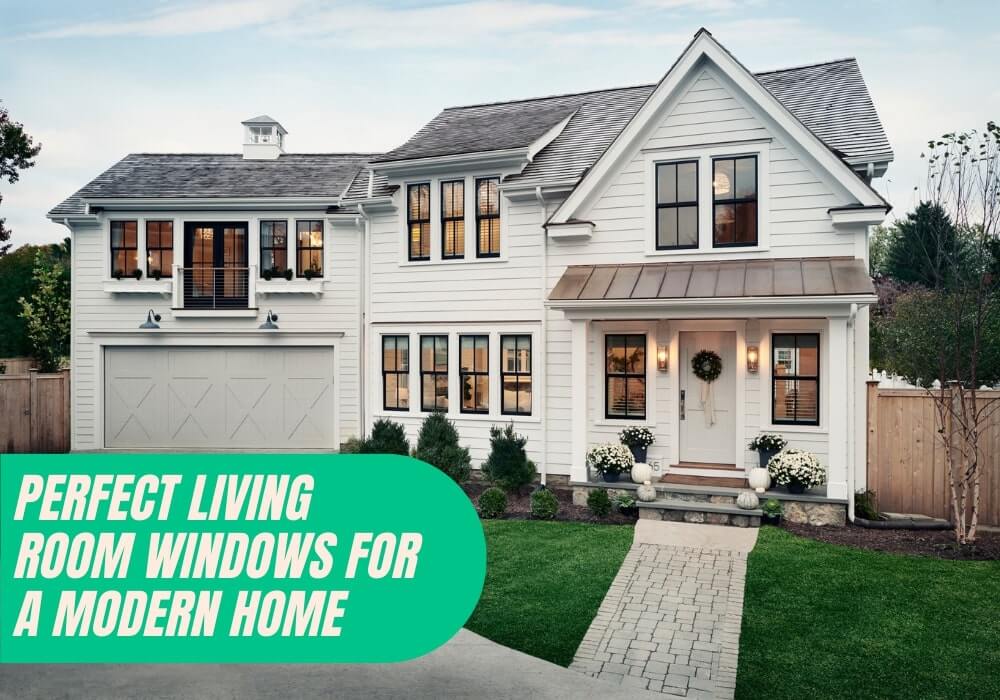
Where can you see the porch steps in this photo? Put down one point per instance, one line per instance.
(693, 511)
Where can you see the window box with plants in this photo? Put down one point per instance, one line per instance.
(610, 460)
(123, 282)
(283, 281)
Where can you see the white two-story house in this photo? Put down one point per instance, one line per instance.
(553, 262)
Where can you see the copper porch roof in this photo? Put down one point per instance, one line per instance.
(786, 277)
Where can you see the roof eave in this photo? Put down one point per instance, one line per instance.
(508, 158)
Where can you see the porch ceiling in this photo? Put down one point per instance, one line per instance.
(783, 277)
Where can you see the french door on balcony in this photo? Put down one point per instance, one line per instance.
(216, 271)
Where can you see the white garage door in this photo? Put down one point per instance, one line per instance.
(219, 398)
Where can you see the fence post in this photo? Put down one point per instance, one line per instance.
(67, 414)
(32, 407)
(871, 439)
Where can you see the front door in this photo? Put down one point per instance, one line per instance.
(216, 274)
(708, 421)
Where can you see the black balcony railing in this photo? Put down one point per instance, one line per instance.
(214, 287)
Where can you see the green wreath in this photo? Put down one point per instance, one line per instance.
(707, 365)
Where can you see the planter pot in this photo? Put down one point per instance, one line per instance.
(639, 453)
(611, 477)
(765, 456)
(795, 487)
(629, 511)
(759, 479)
(641, 473)
(770, 519)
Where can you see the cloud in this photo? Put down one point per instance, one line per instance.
(174, 20)
(712, 6)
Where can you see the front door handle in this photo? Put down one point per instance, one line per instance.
(682, 404)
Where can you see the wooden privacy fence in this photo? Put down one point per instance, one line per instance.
(906, 457)
(34, 412)
(17, 365)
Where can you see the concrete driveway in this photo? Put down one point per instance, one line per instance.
(469, 666)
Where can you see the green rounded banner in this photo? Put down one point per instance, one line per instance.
(232, 558)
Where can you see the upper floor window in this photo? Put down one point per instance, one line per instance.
(515, 375)
(453, 219)
(734, 194)
(677, 205)
(396, 372)
(124, 248)
(434, 372)
(795, 378)
(309, 248)
(274, 246)
(418, 219)
(625, 376)
(159, 249)
(488, 217)
(474, 373)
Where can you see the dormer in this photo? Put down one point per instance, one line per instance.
(263, 138)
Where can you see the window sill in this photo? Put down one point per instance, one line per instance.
(728, 250)
(214, 313)
(141, 286)
(457, 261)
(295, 286)
(803, 429)
(471, 417)
(624, 423)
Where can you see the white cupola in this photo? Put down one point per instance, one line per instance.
(263, 138)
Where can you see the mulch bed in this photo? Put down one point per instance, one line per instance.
(928, 543)
(519, 506)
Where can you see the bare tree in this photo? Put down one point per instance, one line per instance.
(946, 336)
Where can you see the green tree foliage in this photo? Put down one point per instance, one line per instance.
(508, 465)
(878, 249)
(387, 438)
(46, 313)
(17, 151)
(437, 444)
(923, 247)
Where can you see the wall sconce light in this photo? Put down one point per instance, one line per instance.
(151, 320)
(753, 359)
(269, 323)
(662, 358)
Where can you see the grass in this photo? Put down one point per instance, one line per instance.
(545, 582)
(824, 621)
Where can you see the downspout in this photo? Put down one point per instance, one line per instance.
(363, 321)
(545, 336)
(72, 333)
(851, 408)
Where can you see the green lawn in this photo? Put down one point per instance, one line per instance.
(823, 621)
(544, 583)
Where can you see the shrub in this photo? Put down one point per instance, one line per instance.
(866, 505)
(508, 465)
(610, 458)
(351, 446)
(623, 502)
(492, 502)
(772, 508)
(544, 504)
(793, 466)
(387, 438)
(438, 445)
(599, 503)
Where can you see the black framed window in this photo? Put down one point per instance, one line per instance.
(488, 217)
(159, 249)
(418, 220)
(474, 373)
(308, 248)
(734, 194)
(434, 372)
(124, 248)
(453, 219)
(274, 246)
(625, 376)
(515, 375)
(396, 372)
(677, 205)
(795, 378)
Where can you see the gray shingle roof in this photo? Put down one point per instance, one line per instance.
(142, 175)
(831, 99)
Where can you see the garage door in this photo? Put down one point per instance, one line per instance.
(219, 398)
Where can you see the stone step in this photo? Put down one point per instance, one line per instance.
(699, 512)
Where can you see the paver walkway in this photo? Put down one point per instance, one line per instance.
(670, 621)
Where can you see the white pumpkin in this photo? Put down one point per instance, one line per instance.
(760, 480)
(747, 500)
(646, 492)
(641, 473)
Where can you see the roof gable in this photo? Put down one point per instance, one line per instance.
(704, 49)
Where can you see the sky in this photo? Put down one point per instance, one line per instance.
(95, 81)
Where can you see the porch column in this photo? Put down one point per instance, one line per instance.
(579, 346)
(837, 401)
